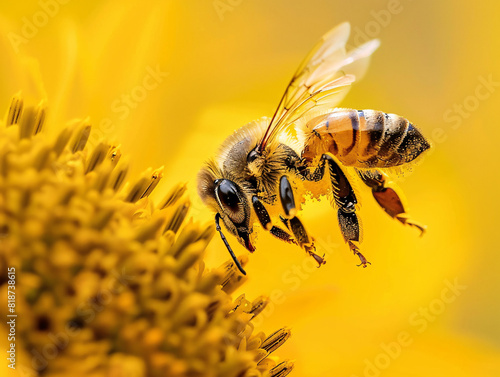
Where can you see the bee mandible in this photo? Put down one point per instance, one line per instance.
(265, 169)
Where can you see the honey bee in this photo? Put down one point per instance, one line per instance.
(265, 169)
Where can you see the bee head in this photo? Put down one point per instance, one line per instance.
(228, 199)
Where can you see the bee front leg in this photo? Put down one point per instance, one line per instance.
(282, 235)
(295, 225)
(265, 221)
(345, 199)
(389, 196)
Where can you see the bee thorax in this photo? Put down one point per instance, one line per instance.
(257, 166)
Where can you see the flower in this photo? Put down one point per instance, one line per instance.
(106, 282)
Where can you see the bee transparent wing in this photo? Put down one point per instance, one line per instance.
(327, 96)
(330, 47)
(322, 80)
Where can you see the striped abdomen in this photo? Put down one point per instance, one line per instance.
(365, 138)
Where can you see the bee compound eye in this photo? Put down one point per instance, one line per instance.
(228, 194)
(230, 201)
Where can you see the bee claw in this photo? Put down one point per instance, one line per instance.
(320, 260)
(422, 228)
(323, 261)
(364, 264)
(361, 257)
(406, 220)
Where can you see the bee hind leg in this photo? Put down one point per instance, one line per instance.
(293, 223)
(390, 197)
(345, 199)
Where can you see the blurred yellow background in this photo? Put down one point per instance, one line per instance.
(170, 80)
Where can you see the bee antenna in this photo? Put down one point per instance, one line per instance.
(236, 261)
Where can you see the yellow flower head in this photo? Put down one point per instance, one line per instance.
(107, 283)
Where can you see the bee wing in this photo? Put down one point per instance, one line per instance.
(322, 79)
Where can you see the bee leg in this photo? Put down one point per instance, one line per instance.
(349, 226)
(345, 199)
(304, 241)
(265, 221)
(282, 235)
(262, 214)
(286, 197)
(294, 224)
(389, 196)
